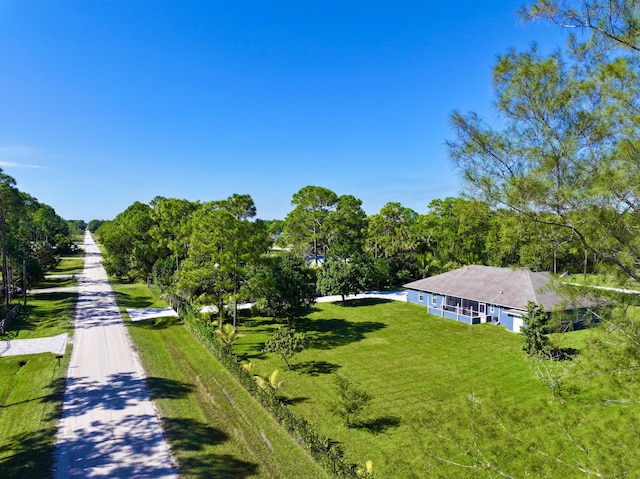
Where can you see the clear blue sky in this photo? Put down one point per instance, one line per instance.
(103, 103)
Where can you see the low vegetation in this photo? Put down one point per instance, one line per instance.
(31, 393)
(448, 399)
(32, 386)
(215, 428)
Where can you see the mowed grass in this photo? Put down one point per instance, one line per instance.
(73, 263)
(31, 394)
(411, 363)
(46, 314)
(215, 428)
(32, 386)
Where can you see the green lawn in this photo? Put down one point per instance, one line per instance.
(47, 314)
(602, 280)
(31, 393)
(32, 386)
(72, 263)
(419, 368)
(215, 428)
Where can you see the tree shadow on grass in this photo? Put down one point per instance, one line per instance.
(156, 324)
(292, 401)
(192, 439)
(380, 424)
(57, 314)
(20, 323)
(330, 333)
(162, 388)
(133, 302)
(316, 368)
(28, 455)
(356, 303)
(263, 323)
(566, 354)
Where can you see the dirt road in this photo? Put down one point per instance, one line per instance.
(109, 426)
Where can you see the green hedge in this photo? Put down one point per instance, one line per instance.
(329, 454)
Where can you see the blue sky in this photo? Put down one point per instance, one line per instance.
(103, 103)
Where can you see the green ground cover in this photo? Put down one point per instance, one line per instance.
(426, 374)
(32, 386)
(610, 281)
(215, 428)
(46, 314)
(73, 263)
(31, 393)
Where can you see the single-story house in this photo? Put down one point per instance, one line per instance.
(482, 294)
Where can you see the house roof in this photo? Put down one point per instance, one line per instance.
(512, 288)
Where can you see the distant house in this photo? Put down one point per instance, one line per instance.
(481, 294)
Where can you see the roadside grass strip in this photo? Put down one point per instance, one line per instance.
(32, 386)
(69, 265)
(215, 428)
(46, 314)
(31, 394)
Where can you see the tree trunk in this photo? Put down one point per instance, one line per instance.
(5, 272)
(235, 315)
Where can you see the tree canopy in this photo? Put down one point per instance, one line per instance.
(565, 153)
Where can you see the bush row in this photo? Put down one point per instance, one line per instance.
(328, 453)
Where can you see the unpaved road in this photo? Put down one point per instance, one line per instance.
(109, 426)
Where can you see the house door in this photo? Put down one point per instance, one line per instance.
(482, 312)
(517, 324)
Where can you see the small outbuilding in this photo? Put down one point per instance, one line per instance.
(486, 294)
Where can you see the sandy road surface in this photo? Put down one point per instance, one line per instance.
(109, 426)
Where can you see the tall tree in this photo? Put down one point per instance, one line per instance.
(346, 228)
(614, 23)
(283, 287)
(223, 249)
(170, 230)
(240, 206)
(534, 334)
(304, 226)
(393, 237)
(392, 231)
(455, 231)
(130, 251)
(9, 202)
(566, 152)
(345, 277)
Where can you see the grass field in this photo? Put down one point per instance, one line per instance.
(214, 427)
(32, 386)
(31, 392)
(72, 263)
(419, 369)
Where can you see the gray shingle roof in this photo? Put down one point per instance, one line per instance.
(508, 287)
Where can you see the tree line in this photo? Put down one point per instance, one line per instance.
(32, 237)
(218, 253)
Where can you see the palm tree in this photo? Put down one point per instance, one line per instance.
(227, 335)
(269, 383)
(428, 264)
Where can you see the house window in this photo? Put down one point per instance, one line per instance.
(421, 297)
(492, 308)
(434, 299)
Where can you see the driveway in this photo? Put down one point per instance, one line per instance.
(109, 426)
